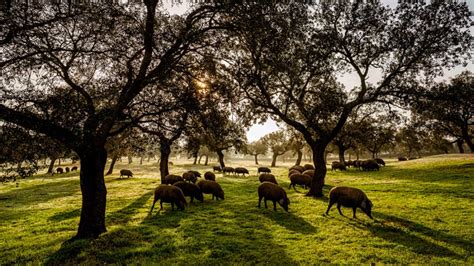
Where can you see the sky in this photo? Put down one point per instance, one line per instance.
(259, 130)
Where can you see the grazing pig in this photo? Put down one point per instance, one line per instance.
(263, 170)
(169, 194)
(349, 163)
(412, 158)
(125, 172)
(210, 176)
(67, 169)
(171, 179)
(190, 177)
(74, 168)
(350, 197)
(59, 170)
(216, 168)
(241, 170)
(309, 173)
(267, 178)
(308, 167)
(228, 170)
(196, 173)
(270, 191)
(369, 165)
(190, 190)
(300, 179)
(380, 161)
(337, 165)
(402, 159)
(357, 163)
(291, 172)
(211, 187)
(298, 167)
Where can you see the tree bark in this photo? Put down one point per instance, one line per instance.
(94, 193)
(220, 155)
(59, 161)
(256, 159)
(460, 143)
(165, 151)
(141, 160)
(207, 160)
(51, 166)
(319, 162)
(200, 157)
(112, 164)
(130, 159)
(274, 159)
(195, 159)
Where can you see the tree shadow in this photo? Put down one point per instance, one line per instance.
(68, 253)
(61, 216)
(288, 220)
(404, 232)
(125, 214)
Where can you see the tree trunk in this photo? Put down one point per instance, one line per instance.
(112, 164)
(195, 159)
(130, 160)
(59, 161)
(299, 154)
(120, 159)
(255, 156)
(51, 166)
(207, 160)
(460, 143)
(467, 139)
(94, 193)
(165, 151)
(200, 157)
(274, 159)
(341, 150)
(141, 160)
(220, 154)
(319, 171)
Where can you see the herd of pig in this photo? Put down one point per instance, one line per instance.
(175, 188)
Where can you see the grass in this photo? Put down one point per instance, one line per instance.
(423, 210)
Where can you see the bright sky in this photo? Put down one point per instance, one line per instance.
(258, 130)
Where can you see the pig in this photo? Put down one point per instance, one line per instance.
(350, 197)
(210, 176)
(267, 178)
(273, 192)
(263, 170)
(169, 194)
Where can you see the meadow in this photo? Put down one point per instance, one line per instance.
(423, 212)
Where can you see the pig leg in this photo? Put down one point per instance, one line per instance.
(172, 206)
(161, 205)
(329, 207)
(152, 206)
(259, 200)
(265, 200)
(274, 206)
(354, 212)
(339, 209)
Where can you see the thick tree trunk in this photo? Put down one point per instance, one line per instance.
(319, 171)
(141, 160)
(274, 159)
(165, 151)
(112, 164)
(51, 166)
(299, 154)
(256, 159)
(200, 158)
(195, 159)
(59, 161)
(460, 143)
(94, 193)
(207, 160)
(220, 155)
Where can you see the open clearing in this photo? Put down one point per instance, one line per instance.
(423, 209)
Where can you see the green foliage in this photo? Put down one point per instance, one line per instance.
(423, 211)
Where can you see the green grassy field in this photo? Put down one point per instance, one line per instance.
(423, 212)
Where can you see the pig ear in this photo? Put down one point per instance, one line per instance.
(363, 205)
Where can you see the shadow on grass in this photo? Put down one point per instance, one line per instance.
(125, 214)
(68, 252)
(288, 220)
(61, 216)
(406, 233)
